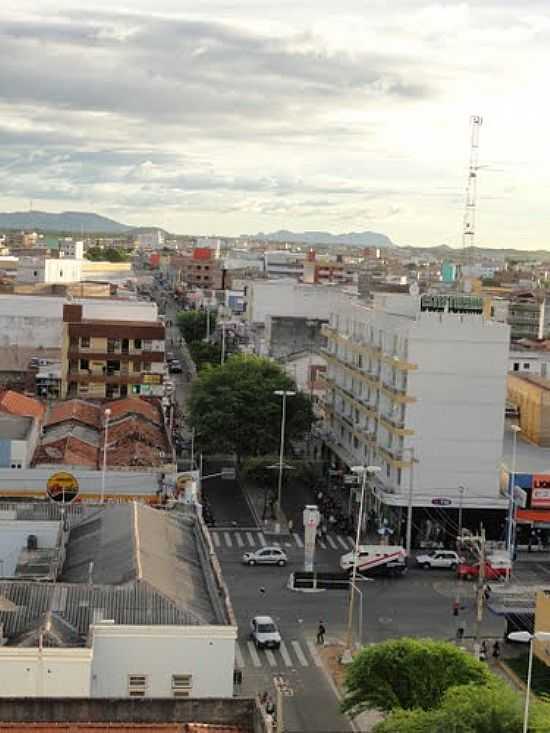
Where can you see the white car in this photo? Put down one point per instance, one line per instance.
(266, 556)
(439, 559)
(264, 633)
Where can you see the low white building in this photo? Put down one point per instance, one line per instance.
(137, 612)
(417, 386)
(18, 439)
(48, 270)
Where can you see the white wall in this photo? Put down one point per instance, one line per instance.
(460, 390)
(47, 672)
(119, 310)
(206, 652)
(289, 298)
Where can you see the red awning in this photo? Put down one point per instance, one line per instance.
(533, 515)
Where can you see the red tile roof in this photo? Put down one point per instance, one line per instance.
(19, 404)
(69, 451)
(135, 405)
(85, 412)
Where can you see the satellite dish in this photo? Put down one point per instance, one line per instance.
(414, 289)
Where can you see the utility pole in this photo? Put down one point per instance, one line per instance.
(408, 540)
(461, 490)
(480, 589)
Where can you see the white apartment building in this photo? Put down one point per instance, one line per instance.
(48, 270)
(419, 379)
(272, 298)
(70, 249)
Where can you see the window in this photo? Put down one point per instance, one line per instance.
(182, 685)
(388, 470)
(84, 364)
(137, 344)
(137, 685)
(146, 366)
(35, 273)
(516, 366)
(84, 342)
(398, 477)
(147, 345)
(526, 365)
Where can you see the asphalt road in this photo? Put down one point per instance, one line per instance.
(418, 604)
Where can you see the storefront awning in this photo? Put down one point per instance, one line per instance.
(534, 515)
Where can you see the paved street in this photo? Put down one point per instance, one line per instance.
(418, 604)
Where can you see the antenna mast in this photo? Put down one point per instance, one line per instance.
(469, 230)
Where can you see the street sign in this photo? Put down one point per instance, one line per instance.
(442, 501)
(228, 474)
(351, 479)
(62, 487)
(520, 497)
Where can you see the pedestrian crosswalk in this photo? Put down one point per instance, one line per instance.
(236, 540)
(292, 654)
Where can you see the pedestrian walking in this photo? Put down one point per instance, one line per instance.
(483, 651)
(270, 707)
(456, 607)
(496, 650)
(460, 632)
(321, 631)
(290, 525)
(263, 698)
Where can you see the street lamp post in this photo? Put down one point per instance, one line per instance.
(461, 489)
(408, 540)
(363, 471)
(509, 530)
(284, 393)
(107, 414)
(526, 638)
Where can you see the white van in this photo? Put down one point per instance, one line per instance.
(377, 560)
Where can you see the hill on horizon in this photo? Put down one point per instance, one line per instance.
(65, 221)
(353, 239)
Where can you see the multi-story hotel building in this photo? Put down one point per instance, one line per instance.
(107, 359)
(416, 385)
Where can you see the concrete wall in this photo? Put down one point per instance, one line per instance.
(32, 672)
(533, 401)
(205, 652)
(290, 335)
(541, 649)
(288, 298)
(13, 539)
(240, 712)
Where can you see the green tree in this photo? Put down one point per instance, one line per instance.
(204, 353)
(408, 674)
(192, 324)
(233, 407)
(490, 708)
(107, 254)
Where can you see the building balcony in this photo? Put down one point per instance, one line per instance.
(138, 378)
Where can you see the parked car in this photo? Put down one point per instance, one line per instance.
(439, 559)
(264, 633)
(266, 556)
(496, 566)
(174, 367)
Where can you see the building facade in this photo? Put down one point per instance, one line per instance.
(418, 390)
(48, 270)
(107, 359)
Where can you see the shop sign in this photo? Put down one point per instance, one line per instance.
(62, 487)
(151, 379)
(442, 501)
(452, 303)
(540, 493)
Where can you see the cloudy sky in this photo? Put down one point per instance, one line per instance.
(234, 116)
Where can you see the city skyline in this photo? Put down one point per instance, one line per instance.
(233, 120)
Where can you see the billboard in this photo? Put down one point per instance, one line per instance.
(540, 493)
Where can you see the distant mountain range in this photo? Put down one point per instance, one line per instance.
(66, 221)
(352, 239)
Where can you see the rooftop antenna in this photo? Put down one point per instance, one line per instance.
(469, 228)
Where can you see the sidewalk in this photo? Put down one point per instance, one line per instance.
(256, 501)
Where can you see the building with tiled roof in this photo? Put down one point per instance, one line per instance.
(133, 406)
(19, 404)
(81, 411)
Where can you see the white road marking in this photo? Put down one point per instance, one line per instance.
(322, 544)
(262, 538)
(254, 654)
(271, 658)
(239, 539)
(298, 540)
(216, 538)
(276, 544)
(300, 654)
(228, 540)
(314, 653)
(331, 542)
(351, 541)
(285, 655)
(239, 661)
(250, 539)
(342, 541)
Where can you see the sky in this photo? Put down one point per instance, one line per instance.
(226, 118)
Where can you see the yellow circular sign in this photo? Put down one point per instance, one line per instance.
(62, 487)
